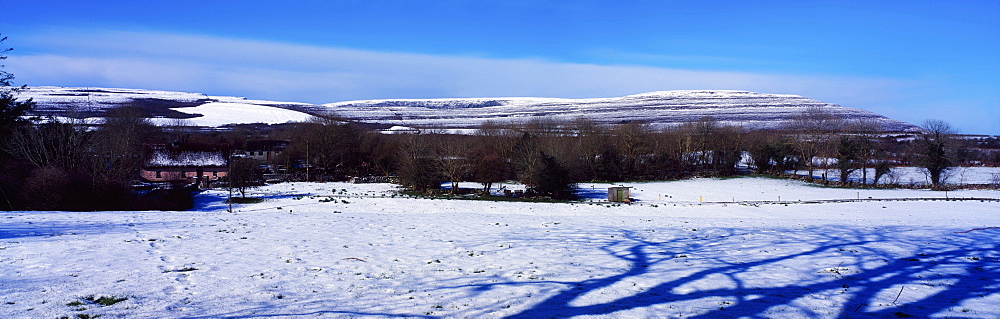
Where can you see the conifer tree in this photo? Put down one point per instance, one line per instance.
(11, 109)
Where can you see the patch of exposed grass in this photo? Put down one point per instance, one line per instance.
(490, 198)
(248, 200)
(185, 269)
(105, 300)
(515, 199)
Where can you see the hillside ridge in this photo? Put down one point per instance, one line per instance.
(752, 110)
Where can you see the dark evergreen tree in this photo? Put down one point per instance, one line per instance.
(609, 166)
(552, 179)
(849, 151)
(11, 109)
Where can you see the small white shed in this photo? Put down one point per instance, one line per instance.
(619, 194)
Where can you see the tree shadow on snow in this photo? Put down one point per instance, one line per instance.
(839, 272)
(586, 193)
(10, 230)
(263, 313)
(206, 202)
(959, 268)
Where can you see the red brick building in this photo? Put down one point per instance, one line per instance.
(203, 167)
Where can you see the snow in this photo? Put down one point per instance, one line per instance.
(659, 109)
(223, 113)
(917, 176)
(362, 250)
(400, 130)
(94, 95)
(215, 111)
(186, 159)
(236, 99)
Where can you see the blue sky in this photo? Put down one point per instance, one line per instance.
(909, 60)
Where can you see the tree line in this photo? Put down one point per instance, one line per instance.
(549, 156)
(72, 165)
(62, 165)
(88, 166)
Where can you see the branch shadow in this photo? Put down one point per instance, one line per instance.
(261, 312)
(205, 202)
(10, 230)
(584, 193)
(866, 286)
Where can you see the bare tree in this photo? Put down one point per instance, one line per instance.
(489, 166)
(490, 155)
(591, 143)
(814, 126)
(727, 149)
(632, 142)
(333, 146)
(933, 150)
(452, 157)
(243, 175)
(713, 147)
(869, 150)
(525, 157)
(416, 166)
(699, 140)
(378, 154)
(53, 144)
(118, 147)
(53, 157)
(47, 188)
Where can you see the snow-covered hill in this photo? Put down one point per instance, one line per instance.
(163, 106)
(664, 108)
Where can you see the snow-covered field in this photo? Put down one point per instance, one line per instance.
(345, 250)
(958, 176)
(225, 113)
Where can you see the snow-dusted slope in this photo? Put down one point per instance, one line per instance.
(199, 109)
(749, 109)
(664, 108)
(221, 113)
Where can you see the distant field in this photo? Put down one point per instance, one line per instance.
(916, 176)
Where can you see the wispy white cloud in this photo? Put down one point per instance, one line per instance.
(304, 73)
(283, 71)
